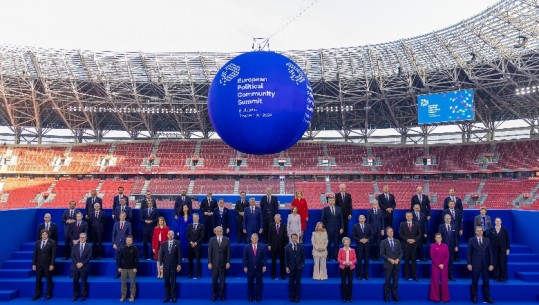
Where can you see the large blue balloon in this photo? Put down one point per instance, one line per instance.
(260, 103)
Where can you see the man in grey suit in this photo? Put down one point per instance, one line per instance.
(483, 220)
(391, 253)
(170, 259)
(218, 262)
(80, 257)
(121, 230)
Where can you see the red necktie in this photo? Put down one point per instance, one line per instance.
(254, 249)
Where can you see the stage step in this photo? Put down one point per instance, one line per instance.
(523, 257)
(8, 295)
(22, 255)
(528, 276)
(16, 273)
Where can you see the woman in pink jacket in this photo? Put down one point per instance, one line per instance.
(347, 264)
(439, 287)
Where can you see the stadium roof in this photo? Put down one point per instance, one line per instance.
(357, 89)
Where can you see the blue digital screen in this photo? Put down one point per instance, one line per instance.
(451, 106)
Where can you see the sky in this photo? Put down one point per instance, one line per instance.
(223, 25)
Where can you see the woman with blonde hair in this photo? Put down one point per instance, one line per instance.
(159, 236)
(319, 239)
(303, 210)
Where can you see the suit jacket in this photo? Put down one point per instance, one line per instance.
(53, 230)
(479, 255)
(458, 203)
(240, 207)
(144, 204)
(499, 240)
(358, 234)
(44, 257)
(405, 233)
(220, 220)
(386, 252)
(341, 258)
(206, 206)
(294, 260)
(118, 236)
(90, 204)
(422, 221)
(98, 224)
(451, 237)
(219, 255)
(269, 209)
(424, 204)
(128, 213)
(377, 221)
(344, 203)
(197, 235)
(386, 204)
(457, 220)
(116, 200)
(277, 239)
(153, 216)
(74, 230)
(170, 260)
(253, 222)
(78, 257)
(333, 223)
(477, 221)
(252, 261)
(66, 216)
(179, 203)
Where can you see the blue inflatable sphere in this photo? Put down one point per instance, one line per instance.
(260, 103)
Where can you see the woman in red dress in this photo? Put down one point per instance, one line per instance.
(159, 236)
(303, 211)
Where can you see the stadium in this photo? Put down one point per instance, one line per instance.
(75, 121)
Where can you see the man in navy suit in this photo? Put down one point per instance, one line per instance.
(343, 200)
(421, 219)
(182, 200)
(362, 234)
(97, 225)
(480, 263)
(391, 253)
(375, 218)
(270, 206)
(409, 234)
(123, 207)
(207, 206)
(76, 228)
(43, 264)
(333, 222)
(50, 226)
(218, 262)
(240, 207)
(220, 216)
(195, 237)
(387, 204)
(68, 217)
(277, 241)
(454, 198)
(117, 199)
(254, 265)
(422, 200)
(295, 261)
(170, 259)
(149, 219)
(80, 257)
(147, 199)
(451, 239)
(457, 220)
(252, 219)
(90, 203)
(120, 231)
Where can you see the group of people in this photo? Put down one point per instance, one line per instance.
(373, 235)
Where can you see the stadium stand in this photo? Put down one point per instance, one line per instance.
(22, 192)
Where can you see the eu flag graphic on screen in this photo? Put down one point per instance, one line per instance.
(445, 107)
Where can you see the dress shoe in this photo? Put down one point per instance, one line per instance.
(422, 259)
(189, 276)
(83, 299)
(406, 278)
(258, 299)
(65, 258)
(273, 277)
(452, 278)
(117, 276)
(386, 300)
(359, 278)
(366, 278)
(396, 300)
(173, 300)
(283, 277)
(74, 299)
(36, 297)
(98, 258)
(474, 300)
(214, 298)
(165, 300)
(416, 279)
(489, 300)
(48, 297)
(250, 299)
(222, 298)
(292, 300)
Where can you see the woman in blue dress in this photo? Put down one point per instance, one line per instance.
(183, 221)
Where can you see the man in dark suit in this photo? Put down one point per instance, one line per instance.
(457, 221)
(333, 222)
(277, 241)
(97, 225)
(422, 200)
(43, 264)
(295, 261)
(123, 207)
(387, 204)
(454, 198)
(195, 237)
(270, 206)
(76, 228)
(68, 217)
(343, 200)
(170, 259)
(254, 265)
(182, 200)
(218, 262)
(375, 218)
(149, 220)
(90, 202)
(80, 257)
(362, 234)
(483, 219)
(147, 199)
(252, 219)
(240, 207)
(220, 216)
(120, 231)
(421, 219)
(391, 253)
(50, 226)
(480, 263)
(116, 202)
(409, 234)
(499, 239)
(451, 239)
(207, 206)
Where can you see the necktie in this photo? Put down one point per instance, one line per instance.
(387, 197)
(183, 198)
(453, 198)
(219, 241)
(420, 198)
(342, 196)
(375, 210)
(81, 247)
(93, 200)
(253, 210)
(480, 241)
(195, 226)
(122, 208)
(254, 249)
(448, 229)
(149, 211)
(221, 212)
(277, 228)
(410, 226)
(96, 214)
(333, 211)
(269, 199)
(47, 226)
(453, 213)
(42, 245)
(362, 228)
(121, 225)
(417, 216)
(70, 213)
(391, 244)
(293, 247)
(169, 246)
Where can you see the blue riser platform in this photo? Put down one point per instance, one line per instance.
(8, 295)
(528, 276)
